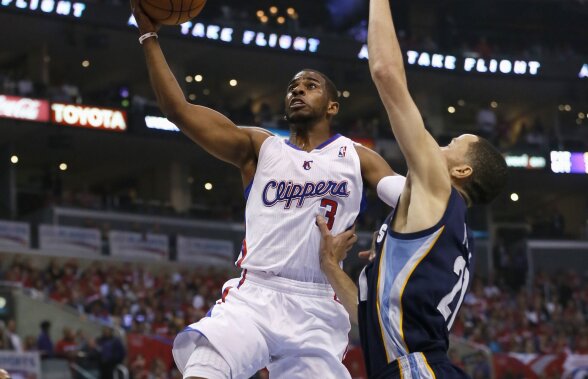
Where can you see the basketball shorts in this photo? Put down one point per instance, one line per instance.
(417, 366)
(297, 330)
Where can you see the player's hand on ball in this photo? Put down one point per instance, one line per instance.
(144, 23)
(371, 253)
(334, 248)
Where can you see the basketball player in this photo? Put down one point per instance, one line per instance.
(282, 313)
(410, 293)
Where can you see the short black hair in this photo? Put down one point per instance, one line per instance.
(489, 172)
(331, 88)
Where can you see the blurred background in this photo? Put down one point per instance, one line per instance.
(116, 231)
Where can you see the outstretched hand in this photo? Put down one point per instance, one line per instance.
(334, 248)
(144, 22)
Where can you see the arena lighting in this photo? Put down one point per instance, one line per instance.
(583, 72)
(198, 78)
(514, 197)
(233, 82)
(160, 123)
(63, 166)
(566, 162)
(530, 162)
(451, 110)
(208, 186)
(85, 63)
(494, 104)
(60, 8)
(189, 79)
(14, 159)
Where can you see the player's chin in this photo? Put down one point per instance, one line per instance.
(299, 116)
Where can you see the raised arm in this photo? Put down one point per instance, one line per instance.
(211, 130)
(421, 151)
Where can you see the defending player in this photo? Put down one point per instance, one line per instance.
(409, 295)
(281, 313)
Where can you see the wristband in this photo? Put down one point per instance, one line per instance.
(147, 35)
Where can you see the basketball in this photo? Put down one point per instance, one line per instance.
(172, 12)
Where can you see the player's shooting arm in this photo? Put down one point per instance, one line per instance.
(387, 69)
(332, 251)
(211, 130)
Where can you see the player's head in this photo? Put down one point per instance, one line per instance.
(310, 96)
(476, 167)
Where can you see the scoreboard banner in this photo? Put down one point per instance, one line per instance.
(70, 240)
(202, 29)
(205, 251)
(23, 108)
(15, 235)
(138, 245)
(84, 116)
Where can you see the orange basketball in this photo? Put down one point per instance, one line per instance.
(172, 12)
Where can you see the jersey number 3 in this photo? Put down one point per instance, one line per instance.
(459, 268)
(330, 207)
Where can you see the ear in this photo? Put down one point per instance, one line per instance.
(332, 108)
(462, 171)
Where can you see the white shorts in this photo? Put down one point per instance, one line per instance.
(295, 329)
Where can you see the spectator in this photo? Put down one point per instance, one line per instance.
(44, 342)
(67, 346)
(112, 353)
(13, 338)
(88, 354)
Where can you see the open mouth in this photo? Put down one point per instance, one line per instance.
(297, 104)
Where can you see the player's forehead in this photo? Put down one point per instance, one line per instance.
(307, 75)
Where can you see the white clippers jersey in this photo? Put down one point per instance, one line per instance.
(284, 198)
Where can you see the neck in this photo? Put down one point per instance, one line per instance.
(465, 196)
(308, 138)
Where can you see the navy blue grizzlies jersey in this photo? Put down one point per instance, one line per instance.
(409, 296)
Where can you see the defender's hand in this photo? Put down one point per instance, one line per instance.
(371, 253)
(334, 248)
(144, 22)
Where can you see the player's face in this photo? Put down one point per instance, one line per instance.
(456, 152)
(306, 97)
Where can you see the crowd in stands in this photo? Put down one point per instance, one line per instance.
(549, 317)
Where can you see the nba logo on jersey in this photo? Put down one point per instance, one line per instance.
(306, 165)
(342, 151)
